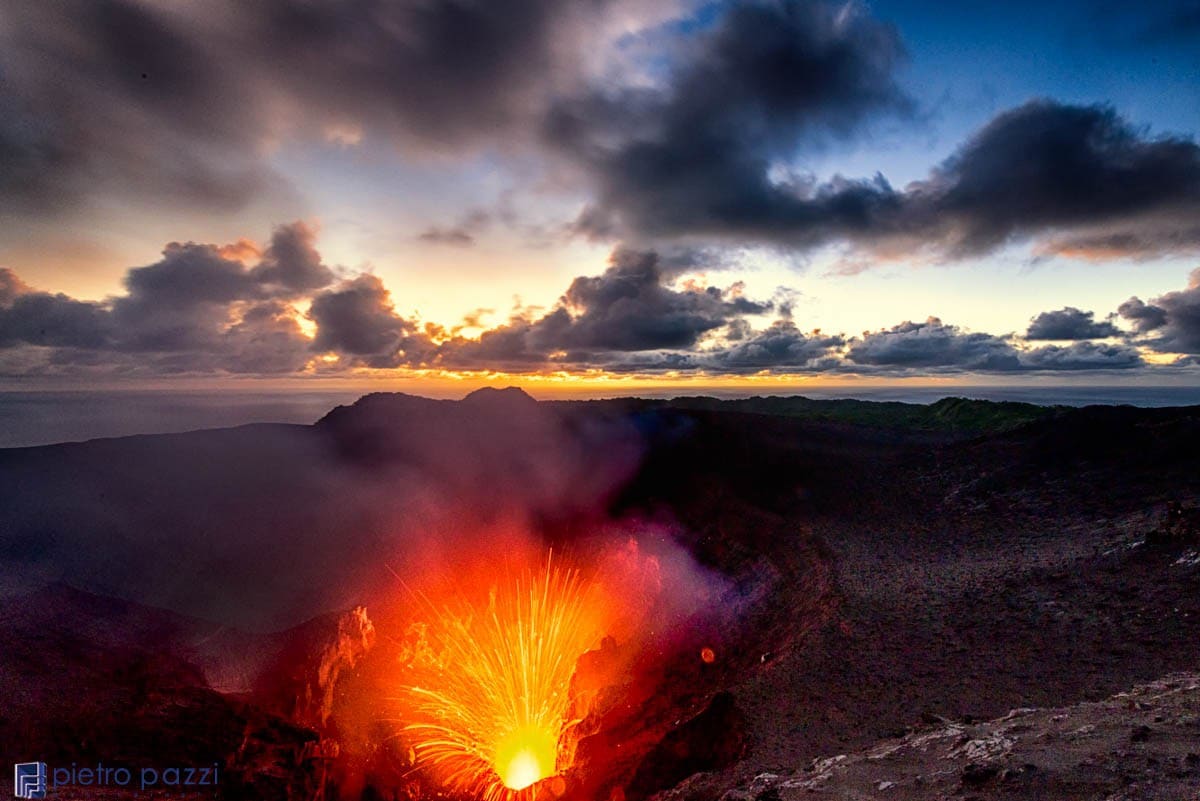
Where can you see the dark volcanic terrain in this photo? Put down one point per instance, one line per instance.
(894, 581)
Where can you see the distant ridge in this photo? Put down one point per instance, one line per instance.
(402, 403)
(952, 415)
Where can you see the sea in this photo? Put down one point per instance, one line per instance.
(29, 418)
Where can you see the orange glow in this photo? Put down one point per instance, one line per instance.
(242, 250)
(584, 383)
(492, 710)
(1096, 251)
(707, 656)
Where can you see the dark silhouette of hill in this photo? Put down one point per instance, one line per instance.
(953, 415)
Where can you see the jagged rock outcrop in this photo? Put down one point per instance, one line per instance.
(1140, 744)
(300, 684)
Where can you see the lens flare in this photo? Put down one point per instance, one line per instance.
(492, 711)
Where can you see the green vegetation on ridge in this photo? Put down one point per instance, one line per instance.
(948, 414)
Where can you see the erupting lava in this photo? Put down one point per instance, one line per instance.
(494, 711)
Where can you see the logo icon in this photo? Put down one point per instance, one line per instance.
(29, 779)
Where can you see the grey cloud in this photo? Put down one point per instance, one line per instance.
(441, 72)
(265, 340)
(172, 103)
(1170, 323)
(627, 308)
(694, 157)
(11, 286)
(693, 163)
(1138, 239)
(40, 318)
(194, 310)
(1069, 323)
(1082, 356)
(781, 346)
(357, 319)
(208, 309)
(1045, 167)
(1145, 317)
(932, 344)
(292, 264)
(120, 98)
(936, 346)
(186, 301)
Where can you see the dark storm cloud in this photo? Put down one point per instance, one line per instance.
(205, 308)
(1069, 323)
(1171, 323)
(1046, 167)
(694, 156)
(1144, 316)
(1082, 356)
(705, 157)
(932, 344)
(446, 72)
(627, 308)
(780, 346)
(261, 338)
(936, 346)
(174, 103)
(358, 320)
(40, 318)
(119, 97)
(29, 317)
(707, 154)
(195, 310)
(907, 349)
(189, 274)
(185, 301)
(291, 264)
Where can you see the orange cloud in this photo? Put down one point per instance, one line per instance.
(242, 250)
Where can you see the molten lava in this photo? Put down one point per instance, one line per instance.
(492, 711)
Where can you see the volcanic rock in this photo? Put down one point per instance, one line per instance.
(712, 740)
(1068, 753)
(895, 562)
(300, 684)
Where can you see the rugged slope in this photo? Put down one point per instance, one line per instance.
(1139, 745)
(879, 575)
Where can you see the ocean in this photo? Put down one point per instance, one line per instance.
(46, 417)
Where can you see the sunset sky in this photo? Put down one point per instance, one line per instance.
(621, 192)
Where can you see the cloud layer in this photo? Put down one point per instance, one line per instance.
(205, 309)
(705, 135)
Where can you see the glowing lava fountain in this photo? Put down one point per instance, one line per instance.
(494, 711)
